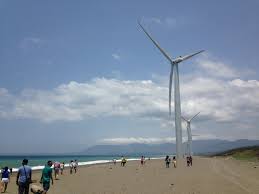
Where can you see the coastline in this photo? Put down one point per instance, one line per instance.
(85, 163)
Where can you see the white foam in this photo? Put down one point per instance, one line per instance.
(88, 163)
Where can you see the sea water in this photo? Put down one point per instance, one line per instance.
(38, 162)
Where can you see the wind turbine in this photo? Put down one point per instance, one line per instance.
(177, 102)
(189, 132)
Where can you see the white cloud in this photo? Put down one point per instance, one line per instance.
(130, 140)
(220, 100)
(216, 68)
(151, 140)
(116, 56)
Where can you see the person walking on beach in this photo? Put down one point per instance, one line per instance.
(46, 177)
(114, 161)
(142, 160)
(123, 161)
(174, 161)
(167, 161)
(75, 166)
(11, 170)
(23, 178)
(188, 161)
(62, 166)
(190, 158)
(5, 179)
(71, 166)
(56, 169)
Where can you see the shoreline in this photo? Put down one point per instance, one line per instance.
(83, 164)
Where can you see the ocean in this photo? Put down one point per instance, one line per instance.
(38, 162)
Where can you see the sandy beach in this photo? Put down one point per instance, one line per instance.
(206, 176)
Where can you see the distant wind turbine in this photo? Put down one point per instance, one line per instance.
(189, 132)
(177, 100)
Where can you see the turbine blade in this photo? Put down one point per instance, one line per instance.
(170, 88)
(191, 55)
(195, 116)
(156, 43)
(184, 119)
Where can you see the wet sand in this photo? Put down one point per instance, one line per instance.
(206, 176)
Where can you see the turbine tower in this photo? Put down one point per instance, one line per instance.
(189, 133)
(177, 102)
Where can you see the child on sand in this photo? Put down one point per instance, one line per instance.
(5, 179)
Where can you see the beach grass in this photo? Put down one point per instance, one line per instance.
(250, 153)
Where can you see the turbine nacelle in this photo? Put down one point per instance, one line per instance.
(189, 120)
(178, 60)
(181, 59)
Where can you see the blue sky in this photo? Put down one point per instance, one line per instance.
(79, 74)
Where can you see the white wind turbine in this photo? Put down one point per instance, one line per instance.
(177, 101)
(189, 133)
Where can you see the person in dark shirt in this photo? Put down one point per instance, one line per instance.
(190, 158)
(167, 161)
(5, 179)
(188, 161)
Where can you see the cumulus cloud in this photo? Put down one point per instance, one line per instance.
(220, 99)
(216, 68)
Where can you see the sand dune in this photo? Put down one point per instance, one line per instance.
(207, 176)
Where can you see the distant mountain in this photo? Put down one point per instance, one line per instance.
(199, 147)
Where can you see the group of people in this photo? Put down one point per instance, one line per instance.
(24, 177)
(168, 161)
(58, 167)
(73, 166)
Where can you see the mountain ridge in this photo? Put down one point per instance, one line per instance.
(200, 147)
